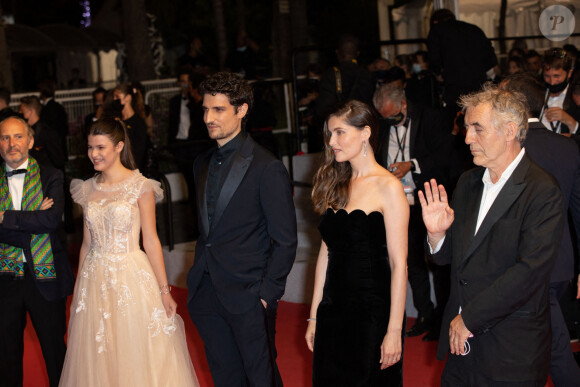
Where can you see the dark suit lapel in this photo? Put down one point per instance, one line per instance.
(415, 122)
(237, 172)
(201, 184)
(507, 196)
(476, 189)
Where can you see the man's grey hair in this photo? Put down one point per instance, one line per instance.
(388, 92)
(508, 106)
(29, 129)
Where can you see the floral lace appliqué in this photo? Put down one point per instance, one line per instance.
(160, 323)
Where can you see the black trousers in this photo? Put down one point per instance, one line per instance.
(49, 320)
(563, 367)
(462, 371)
(240, 348)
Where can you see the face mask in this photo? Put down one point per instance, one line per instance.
(117, 106)
(381, 74)
(558, 87)
(395, 120)
(313, 82)
(417, 68)
(242, 49)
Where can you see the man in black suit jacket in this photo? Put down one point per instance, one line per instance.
(43, 298)
(560, 157)
(347, 80)
(459, 52)
(247, 242)
(559, 112)
(502, 238)
(188, 136)
(408, 139)
(48, 149)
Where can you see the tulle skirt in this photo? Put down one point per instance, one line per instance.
(119, 333)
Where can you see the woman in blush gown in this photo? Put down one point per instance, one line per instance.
(356, 324)
(123, 329)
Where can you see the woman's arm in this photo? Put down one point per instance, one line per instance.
(153, 248)
(396, 215)
(319, 280)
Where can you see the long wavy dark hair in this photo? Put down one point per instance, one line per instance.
(332, 180)
(116, 131)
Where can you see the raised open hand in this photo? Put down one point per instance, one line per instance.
(437, 215)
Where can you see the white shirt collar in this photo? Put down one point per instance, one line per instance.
(507, 173)
(24, 165)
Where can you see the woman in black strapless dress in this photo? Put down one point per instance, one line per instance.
(356, 323)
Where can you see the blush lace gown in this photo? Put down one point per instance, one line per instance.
(353, 315)
(119, 333)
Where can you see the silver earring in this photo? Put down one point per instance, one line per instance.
(364, 149)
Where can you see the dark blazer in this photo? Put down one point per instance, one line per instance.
(18, 226)
(250, 245)
(572, 109)
(54, 114)
(500, 276)
(47, 148)
(427, 134)
(462, 53)
(560, 157)
(357, 83)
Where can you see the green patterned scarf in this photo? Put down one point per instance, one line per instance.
(11, 257)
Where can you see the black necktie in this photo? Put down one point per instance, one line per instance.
(15, 172)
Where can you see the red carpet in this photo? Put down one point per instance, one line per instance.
(420, 366)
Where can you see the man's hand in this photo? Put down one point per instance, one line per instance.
(400, 169)
(264, 303)
(558, 114)
(437, 215)
(46, 203)
(458, 333)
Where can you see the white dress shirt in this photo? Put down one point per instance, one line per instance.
(16, 187)
(184, 120)
(402, 135)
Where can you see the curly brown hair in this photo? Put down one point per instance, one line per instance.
(332, 180)
(237, 90)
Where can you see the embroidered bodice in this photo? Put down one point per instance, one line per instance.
(111, 212)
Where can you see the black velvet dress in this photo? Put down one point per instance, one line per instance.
(353, 316)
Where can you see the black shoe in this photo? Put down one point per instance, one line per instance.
(421, 326)
(432, 335)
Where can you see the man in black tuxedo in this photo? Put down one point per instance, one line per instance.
(247, 242)
(559, 112)
(409, 137)
(188, 136)
(502, 239)
(28, 284)
(560, 157)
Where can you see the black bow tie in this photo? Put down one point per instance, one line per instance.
(15, 172)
